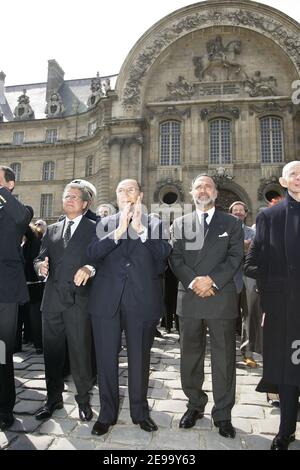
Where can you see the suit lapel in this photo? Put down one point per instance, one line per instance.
(216, 228)
(58, 231)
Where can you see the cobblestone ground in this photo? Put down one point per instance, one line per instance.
(256, 422)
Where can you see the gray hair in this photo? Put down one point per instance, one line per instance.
(85, 194)
(202, 175)
(287, 168)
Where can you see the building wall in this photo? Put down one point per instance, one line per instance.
(126, 142)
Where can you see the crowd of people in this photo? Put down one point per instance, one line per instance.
(73, 288)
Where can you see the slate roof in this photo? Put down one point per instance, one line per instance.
(71, 91)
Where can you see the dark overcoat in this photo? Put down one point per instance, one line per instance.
(274, 260)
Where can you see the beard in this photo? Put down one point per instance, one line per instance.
(204, 201)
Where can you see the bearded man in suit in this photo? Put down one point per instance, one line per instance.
(207, 252)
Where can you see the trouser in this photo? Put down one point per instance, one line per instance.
(193, 345)
(139, 340)
(8, 329)
(74, 325)
(288, 396)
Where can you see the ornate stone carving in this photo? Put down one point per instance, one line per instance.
(220, 108)
(270, 107)
(54, 107)
(260, 86)
(23, 110)
(97, 93)
(106, 85)
(169, 112)
(220, 175)
(264, 183)
(176, 184)
(180, 89)
(220, 62)
(286, 38)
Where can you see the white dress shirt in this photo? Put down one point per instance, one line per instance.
(75, 221)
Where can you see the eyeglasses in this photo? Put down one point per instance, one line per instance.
(73, 197)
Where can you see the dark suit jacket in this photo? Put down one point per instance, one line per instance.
(14, 220)
(219, 257)
(60, 290)
(130, 262)
(274, 261)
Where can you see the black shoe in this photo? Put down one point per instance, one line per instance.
(85, 412)
(47, 410)
(147, 424)
(6, 421)
(282, 442)
(38, 351)
(225, 428)
(189, 418)
(99, 429)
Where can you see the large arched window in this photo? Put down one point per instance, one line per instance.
(220, 142)
(89, 166)
(48, 171)
(271, 134)
(16, 168)
(170, 143)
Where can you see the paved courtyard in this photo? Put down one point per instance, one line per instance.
(256, 422)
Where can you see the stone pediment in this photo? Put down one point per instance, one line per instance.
(264, 20)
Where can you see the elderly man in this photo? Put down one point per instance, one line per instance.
(14, 220)
(274, 260)
(245, 287)
(64, 262)
(126, 295)
(207, 252)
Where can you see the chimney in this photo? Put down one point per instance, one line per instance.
(2, 90)
(55, 77)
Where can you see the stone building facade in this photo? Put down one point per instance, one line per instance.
(210, 88)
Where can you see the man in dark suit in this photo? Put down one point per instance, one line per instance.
(207, 252)
(63, 260)
(274, 260)
(126, 295)
(14, 220)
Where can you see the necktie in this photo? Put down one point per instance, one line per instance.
(67, 235)
(204, 223)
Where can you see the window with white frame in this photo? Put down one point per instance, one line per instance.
(48, 171)
(46, 206)
(271, 134)
(170, 143)
(92, 128)
(51, 136)
(16, 168)
(18, 138)
(89, 166)
(220, 142)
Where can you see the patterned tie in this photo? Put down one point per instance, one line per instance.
(204, 223)
(67, 235)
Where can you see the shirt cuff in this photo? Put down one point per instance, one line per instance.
(92, 269)
(192, 284)
(143, 235)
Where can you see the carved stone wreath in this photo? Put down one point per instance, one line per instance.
(271, 28)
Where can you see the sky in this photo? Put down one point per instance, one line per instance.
(83, 36)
